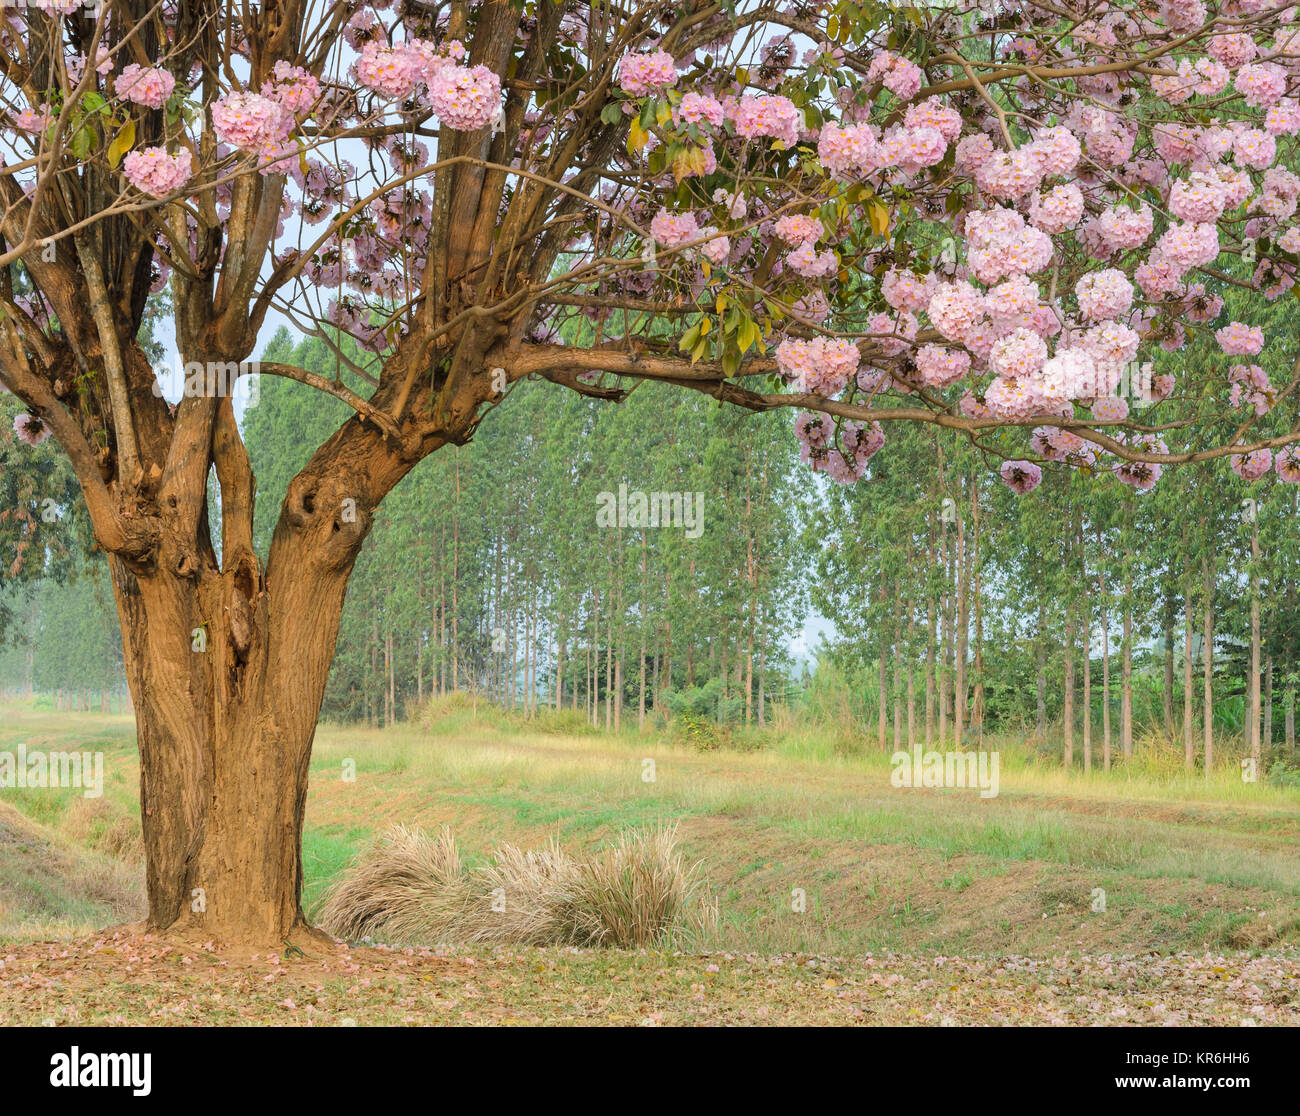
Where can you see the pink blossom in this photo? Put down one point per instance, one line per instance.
(768, 115)
(1186, 245)
(250, 121)
(1058, 210)
(953, 308)
(1262, 84)
(933, 113)
(697, 108)
(1019, 354)
(1109, 408)
(1008, 176)
(1123, 228)
(1238, 339)
(905, 290)
(899, 75)
(1251, 466)
(295, 88)
(717, 249)
(1254, 148)
(466, 98)
(157, 173)
(1021, 476)
(822, 366)
(147, 87)
(1199, 198)
(810, 264)
(1232, 50)
(1104, 294)
(847, 149)
(649, 72)
(33, 120)
(392, 71)
(31, 429)
(973, 152)
(1056, 150)
(797, 228)
(670, 230)
(940, 367)
(1287, 464)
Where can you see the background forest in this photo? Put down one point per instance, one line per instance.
(1086, 615)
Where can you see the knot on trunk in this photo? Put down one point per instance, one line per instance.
(334, 513)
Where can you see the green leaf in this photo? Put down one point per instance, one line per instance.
(82, 143)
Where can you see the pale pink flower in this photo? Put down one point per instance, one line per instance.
(148, 87)
(157, 173)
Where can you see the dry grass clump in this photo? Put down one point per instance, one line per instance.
(389, 888)
(410, 888)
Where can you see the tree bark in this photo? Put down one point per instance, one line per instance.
(1253, 700)
(1207, 660)
(227, 670)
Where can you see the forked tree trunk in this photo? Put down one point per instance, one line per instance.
(228, 669)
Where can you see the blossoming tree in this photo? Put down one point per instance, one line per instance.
(978, 217)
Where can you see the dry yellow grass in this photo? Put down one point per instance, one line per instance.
(413, 889)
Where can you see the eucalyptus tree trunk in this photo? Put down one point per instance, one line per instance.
(1253, 701)
(1189, 747)
(1207, 661)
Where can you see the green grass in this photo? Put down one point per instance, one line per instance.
(1187, 862)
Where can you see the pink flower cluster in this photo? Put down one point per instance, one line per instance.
(822, 366)
(671, 230)
(848, 149)
(1051, 443)
(295, 88)
(1059, 209)
(899, 75)
(466, 98)
(1237, 339)
(1141, 475)
(157, 173)
(250, 121)
(1000, 243)
(1104, 294)
(1200, 198)
(797, 228)
(767, 115)
(905, 290)
(810, 263)
(1250, 387)
(1122, 228)
(1251, 466)
(148, 87)
(391, 71)
(31, 430)
(940, 367)
(640, 73)
(696, 108)
(1021, 476)
(1287, 464)
(857, 445)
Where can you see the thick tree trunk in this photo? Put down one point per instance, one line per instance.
(227, 669)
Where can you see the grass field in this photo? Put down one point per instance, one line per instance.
(919, 905)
